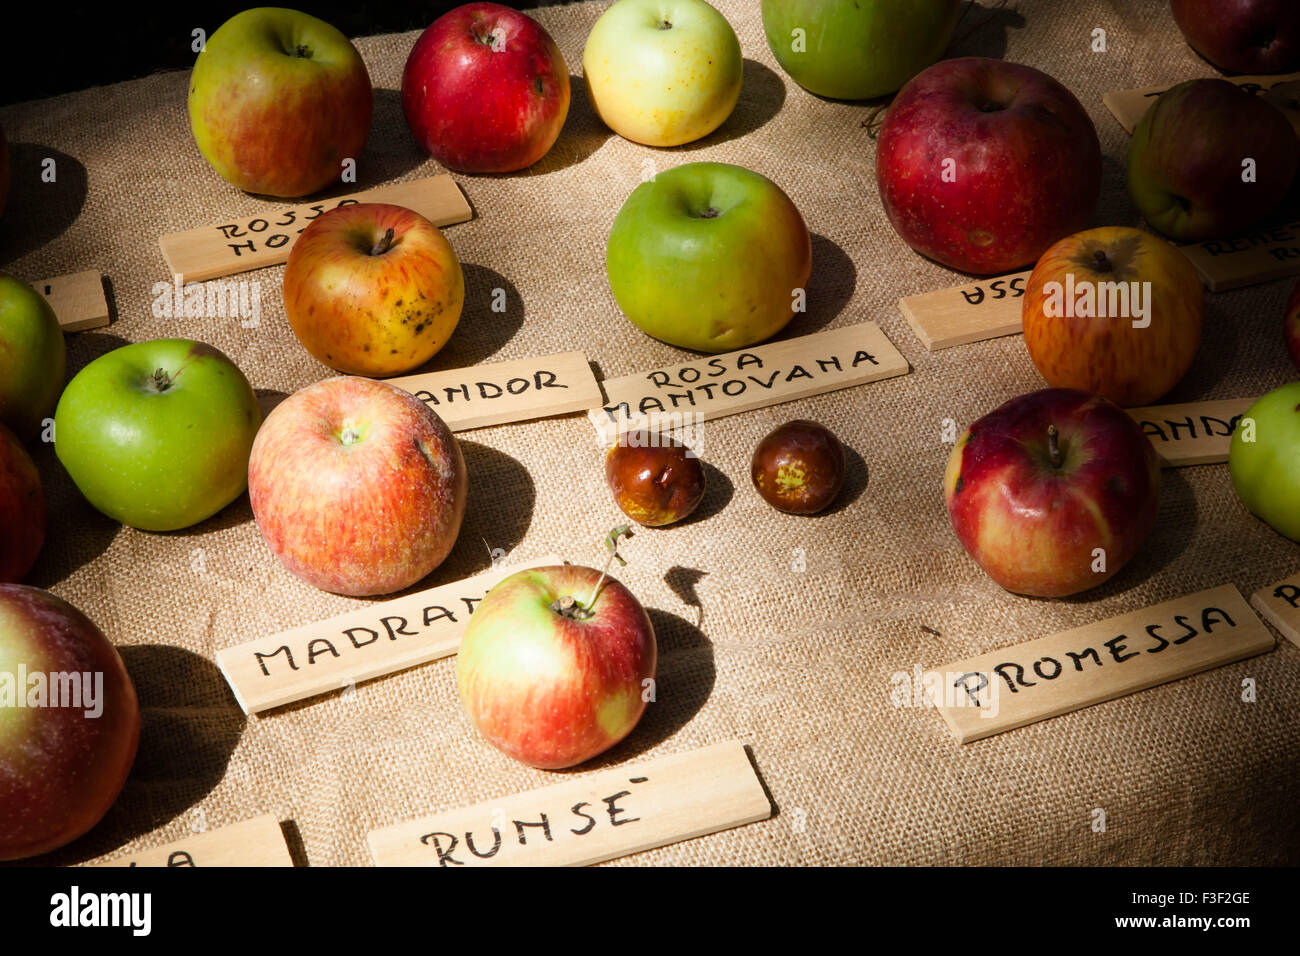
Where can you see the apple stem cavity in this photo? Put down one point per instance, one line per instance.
(1102, 264)
(665, 25)
(160, 380)
(303, 51)
(1054, 447)
(384, 243)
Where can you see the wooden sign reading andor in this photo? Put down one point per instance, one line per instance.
(609, 814)
(1196, 433)
(514, 391)
(369, 642)
(1280, 605)
(265, 239)
(255, 842)
(746, 379)
(969, 313)
(77, 299)
(1129, 106)
(1055, 675)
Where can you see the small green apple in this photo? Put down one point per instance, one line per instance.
(157, 434)
(32, 358)
(1264, 459)
(709, 256)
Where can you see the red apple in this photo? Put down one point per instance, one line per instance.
(22, 509)
(357, 486)
(373, 289)
(1291, 325)
(798, 467)
(69, 723)
(485, 89)
(983, 164)
(1115, 312)
(1053, 492)
(1243, 36)
(655, 480)
(550, 676)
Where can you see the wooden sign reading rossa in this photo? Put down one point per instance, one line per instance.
(1280, 605)
(609, 814)
(265, 239)
(1197, 433)
(969, 313)
(1055, 675)
(369, 642)
(1129, 106)
(77, 299)
(746, 379)
(255, 842)
(513, 391)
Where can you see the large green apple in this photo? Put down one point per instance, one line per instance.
(32, 357)
(857, 49)
(709, 256)
(1264, 459)
(157, 434)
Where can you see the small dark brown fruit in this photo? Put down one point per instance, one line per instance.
(799, 467)
(655, 480)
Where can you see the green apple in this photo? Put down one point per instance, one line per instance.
(857, 49)
(157, 434)
(1264, 459)
(709, 256)
(662, 72)
(32, 358)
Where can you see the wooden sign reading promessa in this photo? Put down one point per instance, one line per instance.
(609, 814)
(252, 242)
(980, 310)
(255, 842)
(1020, 685)
(1280, 605)
(77, 299)
(1129, 106)
(1195, 433)
(512, 391)
(369, 642)
(746, 379)
(1264, 254)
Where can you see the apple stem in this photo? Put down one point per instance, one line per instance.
(1103, 264)
(1053, 446)
(384, 244)
(161, 380)
(611, 542)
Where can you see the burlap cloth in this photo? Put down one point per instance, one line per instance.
(796, 663)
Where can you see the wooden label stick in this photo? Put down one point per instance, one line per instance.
(969, 313)
(1129, 106)
(513, 391)
(1196, 433)
(238, 245)
(255, 842)
(369, 642)
(605, 815)
(1020, 685)
(1280, 605)
(77, 299)
(1264, 254)
(721, 385)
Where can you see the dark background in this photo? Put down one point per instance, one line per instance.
(59, 48)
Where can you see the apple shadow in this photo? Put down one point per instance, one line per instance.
(1217, 353)
(190, 725)
(982, 30)
(582, 135)
(830, 287)
(718, 492)
(391, 151)
(38, 212)
(762, 94)
(856, 478)
(482, 330)
(294, 841)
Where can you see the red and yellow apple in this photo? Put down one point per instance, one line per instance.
(373, 289)
(357, 486)
(1114, 311)
(1242, 36)
(22, 509)
(655, 480)
(1053, 492)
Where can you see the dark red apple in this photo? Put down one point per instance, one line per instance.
(485, 89)
(1243, 36)
(655, 480)
(22, 509)
(983, 164)
(798, 467)
(69, 723)
(1053, 492)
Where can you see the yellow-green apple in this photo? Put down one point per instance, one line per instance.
(709, 256)
(33, 359)
(662, 72)
(1209, 159)
(983, 164)
(373, 289)
(1113, 311)
(1264, 459)
(857, 49)
(69, 723)
(550, 676)
(157, 434)
(1053, 492)
(357, 486)
(279, 100)
(1242, 36)
(655, 480)
(485, 89)
(1291, 325)
(22, 509)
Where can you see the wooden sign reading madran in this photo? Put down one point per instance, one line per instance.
(1129, 106)
(369, 642)
(255, 842)
(1280, 605)
(609, 814)
(1196, 433)
(252, 242)
(970, 313)
(1055, 675)
(746, 379)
